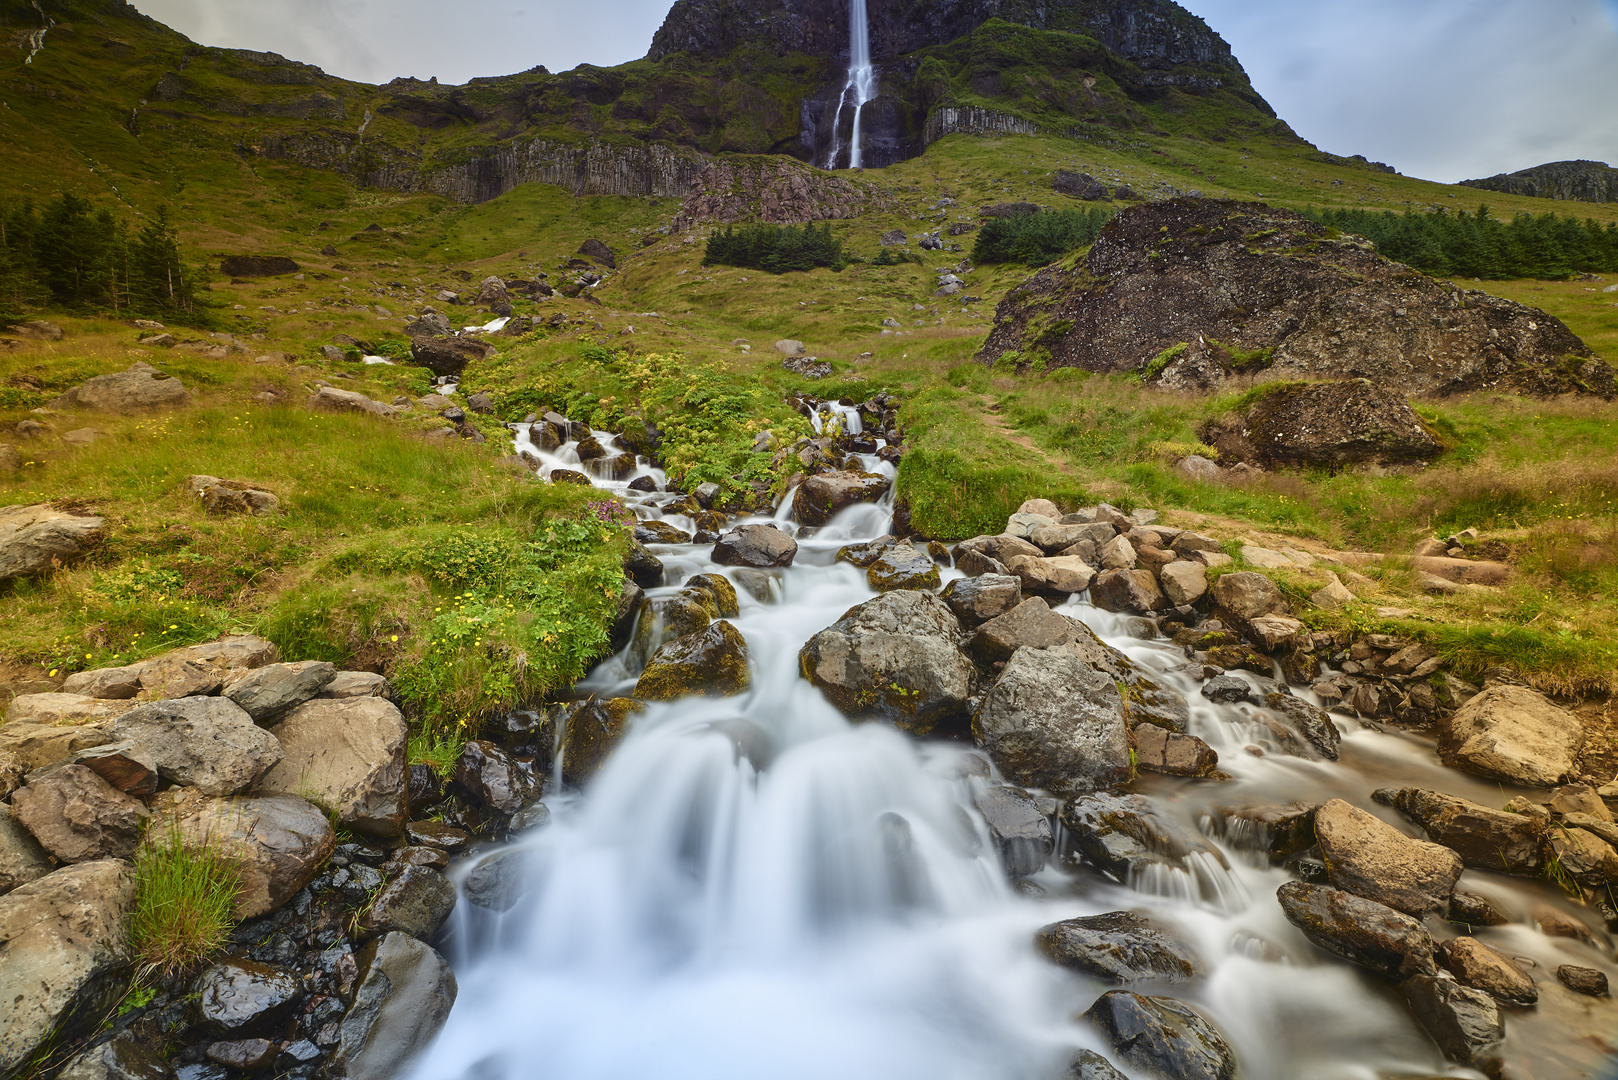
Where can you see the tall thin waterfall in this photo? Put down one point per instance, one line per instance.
(860, 88)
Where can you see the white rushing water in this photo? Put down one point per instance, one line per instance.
(857, 91)
(755, 887)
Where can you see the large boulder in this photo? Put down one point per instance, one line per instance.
(331, 399)
(1134, 591)
(267, 692)
(278, 842)
(1118, 947)
(1058, 575)
(1365, 932)
(1483, 837)
(1335, 424)
(137, 390)
(1465, 1023)
(1514, 734)
(348, 756)
(64, 955)
(1370, 858)
(1052, 721)
(1031, 623)
(758, 546)
(1246, 596)
(902, 567)
(207, 743)
(712, 662)
(35, 539)
(448, 355)
(1162, 1037)
(820, 497)
(896, 658)
(21, 858)
(78, 817)
(404, 995)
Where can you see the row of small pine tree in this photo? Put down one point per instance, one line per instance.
(1479, 246)
(75, 257)
(1037, 239)
(775, 249)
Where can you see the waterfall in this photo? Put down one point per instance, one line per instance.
(859, 89)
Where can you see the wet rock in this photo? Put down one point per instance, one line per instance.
(348, 755)
(495, 883)
(1127, 837)
(1127, 590)
(207, 743)
(425, 788)
(1465, 1023)
(34, 539)
(896, 658)
(492, 779)
(1470, 909)
(240, 997)
(1161, 751)
(1514, 734)
(1276, 831)
(1119, 947)
(137, 390)
(902, 567)
(711, 662)
(77, 816)
(823, 495)
(1089, 1065)
(404, 995)
(1362, 931)
(448, 354)
(646, 569)
(591, 732)
(1583, 980)
(756, 546)
(1553, 922)
(631, 598)
(1051, 721)
(866, 552)
(416, 903)
(1482, 836)
(21, 858)
(660, 532)
(1476, 965)
(976, 600)
(1246, 596)
(1162, 1037)
(1020, 832)
(64, 955)
(122, 1057)
(436, 834)
(279, 842)
(266, 692)
(1370, 858)
(1309, 721)
(1227, 689)
(1031, 623)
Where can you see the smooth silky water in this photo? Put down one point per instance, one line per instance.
(754, 887)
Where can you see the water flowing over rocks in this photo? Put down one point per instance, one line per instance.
(1162, 1036)
(1119, 947)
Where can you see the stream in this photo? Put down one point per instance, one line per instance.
(755, 887)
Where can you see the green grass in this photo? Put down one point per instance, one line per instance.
(184, 899)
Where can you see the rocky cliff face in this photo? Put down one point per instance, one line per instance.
(1576, 181)
(1193, 293)
(1153, 33)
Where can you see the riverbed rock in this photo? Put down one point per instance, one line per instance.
(758, 546)
(1514, 734)
(1127, 590)
(823, 495)
(1031, 623)
(492, 778)
(711, 662)
(1583, 980)
(416, 903)
(897, 658)
(1476, 965)
(64, 954)
(592, 731)
(139, 389)
(1050, 721)
(1089, 1065)
(207, 743)
(1367, 933)
(1311, 722)
(78, 817)
(1370, 858)
(278, 842)
(1484, 838)
(1162, 1037)
(1020, 832)
(21, 858)
(243, 997)
(1274, 831)
(902, 567)
(1119, 947)
(1183, 582)
(976, 600)
(267, 692)
(347, 755)
(1465, 1023)
(1127, 837)
(1246, 595)
(1162, 751)
(122, 1057)
(404, 995)
(36, 539)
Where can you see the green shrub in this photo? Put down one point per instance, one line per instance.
(184, 900)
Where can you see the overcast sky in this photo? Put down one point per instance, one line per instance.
(1444, 89)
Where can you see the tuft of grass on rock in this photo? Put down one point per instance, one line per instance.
(184, 900)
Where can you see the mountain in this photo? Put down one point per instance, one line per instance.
(1575, 181)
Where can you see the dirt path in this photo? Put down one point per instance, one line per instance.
(992, 419)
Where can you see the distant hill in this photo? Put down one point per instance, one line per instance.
(1574, 181)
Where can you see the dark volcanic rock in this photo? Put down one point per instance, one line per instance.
(1020, 832)
(1119, 947)
(1162, 1037)
(1290, 300)
(1336, 423)
(241, 996)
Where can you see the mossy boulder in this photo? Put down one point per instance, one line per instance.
(711, 662)
(714, 592)
(593, 730)
(902, 567)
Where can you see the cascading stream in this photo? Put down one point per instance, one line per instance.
(857, 91)
(756, 887)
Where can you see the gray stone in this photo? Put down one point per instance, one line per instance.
(405, 994)
(349, 756)
(112, 683)
(243, 997)
(902, 567)
(79, 817)
(976, 600)
(1031, 623)
(1227, 688)
(496, 882)
(1183, 582)
(758, 546)
(137, 390)
(1060, 575)
(207, 743)
(21, 858)
(1514, 734)
(1372, 935)
(1134, 591)
(1020, 832)
(279, 842)
(1127, 837)
(1246, 595)
(122, 1057)
(269, 691)
(1051, 721)
(1309, 721)
(34, 539)
(353, 684)
(1119, 947)
(1162, 1037)
(416, 903)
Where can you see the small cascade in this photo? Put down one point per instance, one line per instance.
(36, 39)
(857, 91)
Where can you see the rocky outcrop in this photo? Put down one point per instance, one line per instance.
(140, 389)
(1579, 181)
(779, 191)
(1513, 734)
(1191, 292)
(1333, 424)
